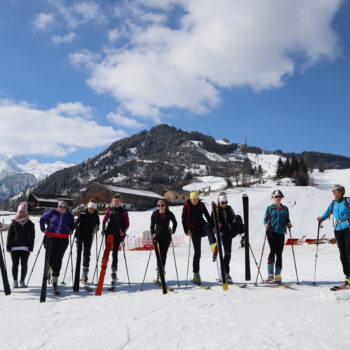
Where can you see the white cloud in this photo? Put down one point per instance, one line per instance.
(114, 34)
(217, 45)
(121, 120)
(84, 58)
(79, 13)
(73, 109)
(25, 129)
(43, 21)
(62, 39)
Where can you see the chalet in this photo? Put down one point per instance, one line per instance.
(38, 203)
(133, 199)
(176, 197)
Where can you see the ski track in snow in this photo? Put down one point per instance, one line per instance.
(307, 317)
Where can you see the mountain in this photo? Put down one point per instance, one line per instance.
(18, 173)
(167, 157)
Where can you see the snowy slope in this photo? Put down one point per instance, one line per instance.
(306, 317)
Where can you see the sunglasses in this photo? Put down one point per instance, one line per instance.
(223, 202)
(335, 191)
(62, 207)
(161, 205)
(277, 197)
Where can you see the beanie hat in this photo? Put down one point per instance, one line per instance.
(22, 207)
(194, 195)
(62, 203)
(92, 205)
(223, 197)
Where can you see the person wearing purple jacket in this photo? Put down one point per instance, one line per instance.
(58, 224)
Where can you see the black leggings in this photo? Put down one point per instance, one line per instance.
(276, 242)
(87, 243)
(343, 240)
(116, 243)
(59, 246)
(16, 256)
(164, 241)
(196, 240)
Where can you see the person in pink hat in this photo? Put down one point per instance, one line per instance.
(20, 243)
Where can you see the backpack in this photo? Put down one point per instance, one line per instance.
(346, 204)
(206, 230)
(238, 226)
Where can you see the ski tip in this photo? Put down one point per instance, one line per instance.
(225, 286)
(244, 195)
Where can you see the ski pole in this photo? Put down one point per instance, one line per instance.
(295, 263)
(3, 250)
(177, 275)
(144, 277)
(188, 259)
(65, 272)
(126, 264)
(97, 255)
(30, 275)
(256, 263)
(217, 265)
(262, 253)
(71, 255)
(316, 256)
(97, 259)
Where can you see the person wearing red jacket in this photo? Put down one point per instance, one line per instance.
(116, 223)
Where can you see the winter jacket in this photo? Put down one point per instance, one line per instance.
(277, 218)
(116, 220)
(21, 236)
(226, 219)
(58, 225)
(86, 223)
(341, 213)
(160, 222)
(192, 216)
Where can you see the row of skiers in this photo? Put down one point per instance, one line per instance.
(197, 223)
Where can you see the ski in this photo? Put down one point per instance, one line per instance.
(86, 286)
(5, 279)
(202, 286)
(48, 246)
(240, 285)
(109, 245)
(246, 236)
(219, 244)
(160, 267)
(344, 286)
(77, 267)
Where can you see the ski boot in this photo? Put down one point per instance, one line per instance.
(347, 280)
(15, 284)
(214, 249)
(22, 284)
(229, 278)
(113, 280)
(84, 276)
(49, 275)
(197, 278)
(56, 290)
(270, 271)
(278, 275)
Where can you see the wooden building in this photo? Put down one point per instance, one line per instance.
(176, 197)
(133, 199)
(38, 203)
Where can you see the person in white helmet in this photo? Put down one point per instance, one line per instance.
(87, 224)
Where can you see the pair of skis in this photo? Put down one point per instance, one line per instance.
(5, 279)
(215, 210)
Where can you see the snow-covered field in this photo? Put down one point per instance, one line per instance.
(305, 317)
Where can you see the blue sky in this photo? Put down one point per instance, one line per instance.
(76, 75)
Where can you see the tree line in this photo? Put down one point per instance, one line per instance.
(294, 168)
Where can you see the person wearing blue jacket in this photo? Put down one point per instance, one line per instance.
(276, 221)
(58, 224)
(340, 208)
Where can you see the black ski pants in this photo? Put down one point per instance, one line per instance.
(116, 243)
(343, 241)
(276, 243)
(164, 240)
(87, 243)
(17, 256)
(59, 246)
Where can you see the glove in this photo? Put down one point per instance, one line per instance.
(242, 241)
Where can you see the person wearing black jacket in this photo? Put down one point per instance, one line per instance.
(160, 229)
(226, 217)
(87, 224)
(20, 243)
(195, 226)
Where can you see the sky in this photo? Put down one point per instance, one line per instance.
(77, 75)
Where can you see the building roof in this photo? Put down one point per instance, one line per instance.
(131, 191)
(49, 197)
(177, 191)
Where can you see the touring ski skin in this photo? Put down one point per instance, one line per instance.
(5, 280)
(219, 244)
(109, 246)
(48, 246)
(245, 200)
